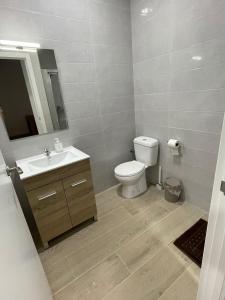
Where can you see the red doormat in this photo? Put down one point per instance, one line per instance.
(192, 241)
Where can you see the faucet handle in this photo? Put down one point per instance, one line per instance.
(47, 152)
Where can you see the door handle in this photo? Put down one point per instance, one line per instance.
(9, 170)
(222, 187)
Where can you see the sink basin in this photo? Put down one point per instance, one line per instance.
(38, 164)
(53, 160)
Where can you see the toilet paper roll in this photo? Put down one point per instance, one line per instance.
(174, 146)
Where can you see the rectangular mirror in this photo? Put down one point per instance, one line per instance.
(30, 95)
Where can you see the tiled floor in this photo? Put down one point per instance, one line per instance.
(128, 254)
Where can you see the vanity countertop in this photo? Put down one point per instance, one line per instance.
(39, 164)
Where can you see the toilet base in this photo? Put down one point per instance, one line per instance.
(132, 190)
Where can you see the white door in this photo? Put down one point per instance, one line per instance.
(22, 275)
(212, 284)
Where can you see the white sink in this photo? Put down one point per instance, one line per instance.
(38, 164)
(52, 160)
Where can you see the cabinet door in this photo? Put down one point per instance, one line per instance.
(80, 197)
(50, 210)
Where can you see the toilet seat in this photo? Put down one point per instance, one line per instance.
(129, 169)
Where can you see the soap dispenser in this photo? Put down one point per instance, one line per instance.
(58, 145)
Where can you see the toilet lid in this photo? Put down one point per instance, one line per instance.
(129, 168)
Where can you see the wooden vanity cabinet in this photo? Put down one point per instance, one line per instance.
(61, 199)
(79, 194)
(50, 210)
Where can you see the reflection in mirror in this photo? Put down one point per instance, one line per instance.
(30, 100)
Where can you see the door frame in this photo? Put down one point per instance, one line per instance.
(212, 276)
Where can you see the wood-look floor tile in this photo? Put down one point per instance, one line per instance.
(138, 224)
(205, 217)
(79, 239)
(141, 249)
(139, 204)
(106, 205)
(185, 288)
(103, 225)
(177, 222)
(110, 193)
(170, 206)
(60, 275)
(194, 271)
(97, 282)
(94, 252)
(102, 247)
(135, 205)
(151, 280)
(138, 230)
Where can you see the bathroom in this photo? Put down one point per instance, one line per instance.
(126, 69)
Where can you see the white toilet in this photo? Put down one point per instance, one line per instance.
(132, 174)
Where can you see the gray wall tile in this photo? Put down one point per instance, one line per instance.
(196, 121)
(92, 43)
(179, 81)
(174, 94)
(80, 91)
(207, 101)
(204, 141)
(77, 73)
(199, 29)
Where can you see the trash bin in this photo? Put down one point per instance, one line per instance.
(173, 189)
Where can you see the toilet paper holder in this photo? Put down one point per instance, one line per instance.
(174, 146)
(176, 142)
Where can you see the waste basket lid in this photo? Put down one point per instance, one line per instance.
(172, 182)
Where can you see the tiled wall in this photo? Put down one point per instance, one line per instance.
(92, 43)
(179, 78)
(179, 81)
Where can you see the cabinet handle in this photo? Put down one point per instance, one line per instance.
(78, 182)
(46, 196)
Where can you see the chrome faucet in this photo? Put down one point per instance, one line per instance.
(47, 152)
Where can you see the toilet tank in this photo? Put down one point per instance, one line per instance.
(146, 150)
